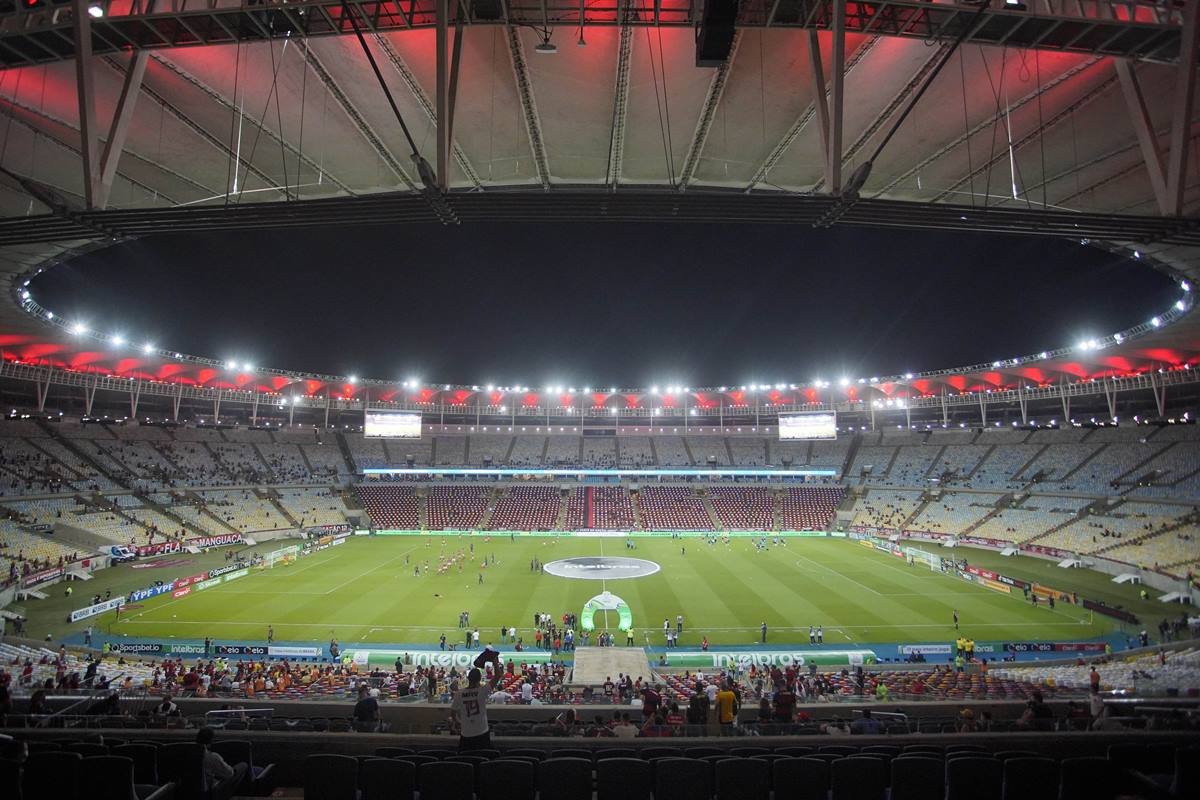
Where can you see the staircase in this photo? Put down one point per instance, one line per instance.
(1082, 514)
(205, 511)
(712, 512)
(933, 463)
(636, 502)
(422, 509)
(171, 515)
(81, 454)
(486, 518)
(777, 509)
(304, 457)
(729, 451)
(1133, 471)
(1081, 464)
(851, 452)
(687, 449)
(344, 447)
(262, 459)
(653, 451)
(924, 504)
(560, 521)
(273, 496)
(1182, 522)
(979, 463)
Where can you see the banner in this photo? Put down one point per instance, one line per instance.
(233, 576)
(99, 608)
(1054, 647)
(723, 659)
(1109, 611)
(295, 652)
(318, 530)
(190, 579)
(205, 542)
(208, 584)
(34, 578)
(184, 592)
(462, 659)
(158, 549)
(138, 595)
(996, 585)
(135, 647)
(925, 649)
(213, 573)
(240, 650)
(1049, 591)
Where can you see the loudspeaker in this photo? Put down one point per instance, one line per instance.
(487, 9)
(714, 38)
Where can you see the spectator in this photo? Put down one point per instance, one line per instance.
(625, 729)
(366, 710)
(469, 712)
(219, 779)
(866, 724)
(166, 708)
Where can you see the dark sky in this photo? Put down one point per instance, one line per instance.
(605, 304)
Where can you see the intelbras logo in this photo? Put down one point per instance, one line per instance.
(602, 568)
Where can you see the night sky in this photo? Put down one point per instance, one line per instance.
(606, 304)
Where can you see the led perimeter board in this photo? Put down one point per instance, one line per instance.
(392, 425)
(808, 425)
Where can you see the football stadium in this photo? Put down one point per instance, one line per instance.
(409, 399)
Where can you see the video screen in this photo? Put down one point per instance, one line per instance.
(392, 425)
(815, 425)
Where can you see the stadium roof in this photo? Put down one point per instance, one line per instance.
(1066, 119)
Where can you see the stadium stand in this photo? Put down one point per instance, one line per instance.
(809, 507)
(455, 507)
(672, 508)
(390, 506)
(313, 507)
(743, 508)
(527, 508)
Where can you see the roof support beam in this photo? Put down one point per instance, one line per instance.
(427, 106)
(115, 143)
(801, 123)
(442, 78)
(1139, 115)
(616, 143)
(533, 125)
(1185, 100)
(86, 94)
(820, 101)
(892, 107)
(833, 172)
(711, 103)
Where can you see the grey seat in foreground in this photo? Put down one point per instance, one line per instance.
(974, 778)
(330, 777)
(446, 780)
(506, 779)
(862, 778)
(800, 778)
(682, 779)
(623, 779)
(565, 779)
(111, 778)
(387, 779)
(1030, 779)
(742, 779)
(917, 778)
(53, 773)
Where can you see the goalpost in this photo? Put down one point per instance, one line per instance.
(915, 555)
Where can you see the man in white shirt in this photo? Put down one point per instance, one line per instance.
(220, 779)
(711, 691)
(469, 710)
(625, 729)
(526, 691)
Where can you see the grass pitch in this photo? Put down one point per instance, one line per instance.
(365, 591)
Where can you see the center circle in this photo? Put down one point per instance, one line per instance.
(601, 568)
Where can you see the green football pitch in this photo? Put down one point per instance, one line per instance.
(365, 591)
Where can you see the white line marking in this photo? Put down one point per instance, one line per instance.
(841, 575)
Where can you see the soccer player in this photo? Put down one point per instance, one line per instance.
(469, 711)
(270, 634)
(956, 619)
(820, 634)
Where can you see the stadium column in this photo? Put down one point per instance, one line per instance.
(254, 410)
(834, 155)
(983, 407)
(945, 410)
(86, 95)
(1181, 118)
(1023, 402)
(135, 394)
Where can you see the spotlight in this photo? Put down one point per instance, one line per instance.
(95, 11)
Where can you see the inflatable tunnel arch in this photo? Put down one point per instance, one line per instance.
(606, 601)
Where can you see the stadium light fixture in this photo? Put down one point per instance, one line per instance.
(908, 376)
(1155, 321)
(353, 379)
(118, 340)
(1179, 304)
(490, 387)
(248, 367)
(49, 315)
(147, 348)
(844, 382)
(95, 11)
(1187, 287)
(653, 390)
(79, 329)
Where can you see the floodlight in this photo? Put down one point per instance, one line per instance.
(353, 379)
(79, 329)
(844, 382)
(248, 367)
(147, 348)
(1179, 304)
(1155, 321)
(117, 340)
(95, 11)
(1187, 287)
